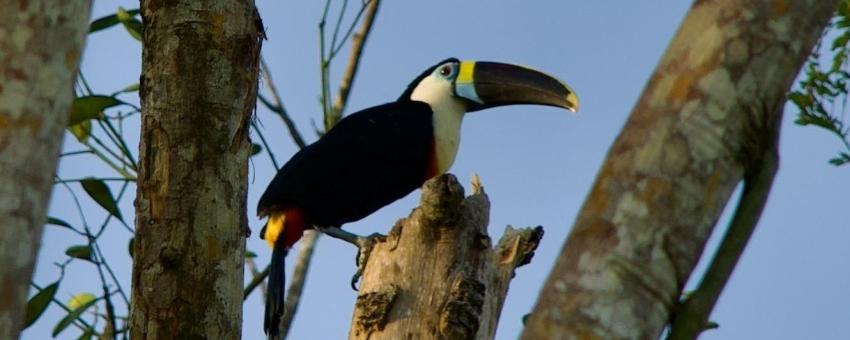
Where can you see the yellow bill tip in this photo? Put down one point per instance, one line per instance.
(572, 102)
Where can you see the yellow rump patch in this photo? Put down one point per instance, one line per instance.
(274, 228)
(466, 73)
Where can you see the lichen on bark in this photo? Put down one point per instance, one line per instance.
(40, 44)
(673, 167)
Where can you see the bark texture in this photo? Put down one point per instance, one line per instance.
(666, 179)
(40, 46)
(437, 276)
(198, 89)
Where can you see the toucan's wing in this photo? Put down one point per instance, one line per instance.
(368, 160)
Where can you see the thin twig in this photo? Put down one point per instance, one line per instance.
(108, 161)
(121, 143)
(335, 49)
(124, 163)
(101, 259)
(265, 145)
(105, 179)
(98, 261)
(358, 41)
(85, 84)
(110, 308)
(277, 105)
(324, 68)
(72, 153)
(252, 267)
(339, 23)
(255, 282)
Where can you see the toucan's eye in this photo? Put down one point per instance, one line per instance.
(447, 70)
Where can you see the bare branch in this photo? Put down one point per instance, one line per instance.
(256, 276)
(265, 145)
(277, 105)
(255, 282)
(358, 41)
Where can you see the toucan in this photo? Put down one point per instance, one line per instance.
(378, 155)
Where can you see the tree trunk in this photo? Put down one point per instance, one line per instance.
(198, 89)
(437, 276)
(715, 94)
(40, 46)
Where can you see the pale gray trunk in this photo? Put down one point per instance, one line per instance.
(708, 111)
(41, 42)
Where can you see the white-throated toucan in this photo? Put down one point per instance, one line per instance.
(378, 155)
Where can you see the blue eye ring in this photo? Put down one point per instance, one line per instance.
(448, 70)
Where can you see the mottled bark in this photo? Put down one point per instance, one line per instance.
(671, 171)
(437, 276)
(40, 46)
(198, 89)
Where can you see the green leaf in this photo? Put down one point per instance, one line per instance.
(250, 254)
(38, 303)
(108, 21)
(81, 131)
(843, 9)
(90, 107)
(82, 252)
(68, 319)
(840, 41)
(800, 99)
(256, 148)
(130, 88)
(130, 246)
(842, 159)
(56, 221)
(131, 24)
(98, 191)
(80, 300)
(87, 334)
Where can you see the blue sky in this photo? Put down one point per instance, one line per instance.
(536, 163)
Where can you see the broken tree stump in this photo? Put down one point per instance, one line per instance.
(437, 276)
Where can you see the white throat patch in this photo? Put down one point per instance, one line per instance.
(448, 115)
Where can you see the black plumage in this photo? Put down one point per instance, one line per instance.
(368, 160)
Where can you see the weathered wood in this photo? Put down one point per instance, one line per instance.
(437, 276)
(41, 42)
(674, 166)
(200, 64)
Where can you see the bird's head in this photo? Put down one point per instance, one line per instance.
(476, 85)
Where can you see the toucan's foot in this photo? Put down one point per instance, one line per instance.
(364, 247)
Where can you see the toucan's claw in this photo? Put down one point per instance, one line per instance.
(364, 250)
(364, 247)
(356, 278)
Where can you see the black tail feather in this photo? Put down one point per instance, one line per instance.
(275, 296)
